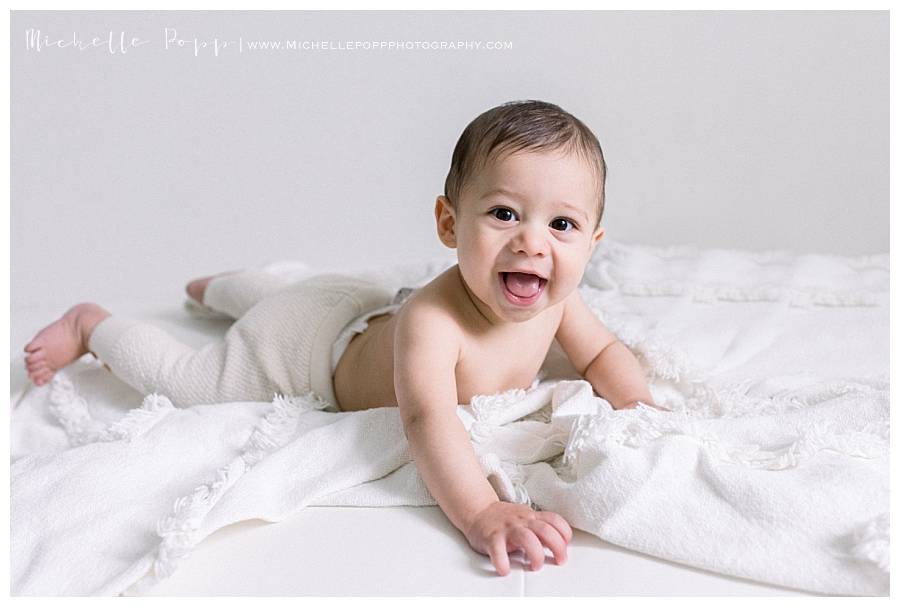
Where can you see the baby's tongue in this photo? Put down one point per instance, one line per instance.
(522, 285)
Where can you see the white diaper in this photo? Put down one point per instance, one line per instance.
(361, 323)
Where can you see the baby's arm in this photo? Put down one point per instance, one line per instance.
(601, 358)
(426, 350)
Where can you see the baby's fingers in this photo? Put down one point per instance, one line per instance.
(499, 556)
(558, 522)
(551, 538)
(532, 546)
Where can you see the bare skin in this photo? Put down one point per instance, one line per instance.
(481, 364)
(365, 373)
(62, 342)
(196, 288)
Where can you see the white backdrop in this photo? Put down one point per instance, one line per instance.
(132, 173)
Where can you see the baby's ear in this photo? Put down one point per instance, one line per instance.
(445, 217)
(598, 234)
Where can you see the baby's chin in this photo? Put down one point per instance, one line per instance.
(519, 316)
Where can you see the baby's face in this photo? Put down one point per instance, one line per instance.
(524, 230)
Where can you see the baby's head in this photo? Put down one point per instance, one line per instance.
(531, 126)
(522, 205)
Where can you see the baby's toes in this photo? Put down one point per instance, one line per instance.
(36, 355)
(36, 368)
(197, 288)
(42, 377)
(35, 365)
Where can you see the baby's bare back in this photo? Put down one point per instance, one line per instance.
(491, 359)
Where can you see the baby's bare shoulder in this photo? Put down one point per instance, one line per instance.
(429, 312)
(438, 298)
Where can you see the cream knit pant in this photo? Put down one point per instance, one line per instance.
(281, 342)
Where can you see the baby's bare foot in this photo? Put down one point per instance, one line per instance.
(61, 342)
(197, 287)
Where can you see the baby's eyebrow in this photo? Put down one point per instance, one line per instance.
(577, 210)
(502, 191)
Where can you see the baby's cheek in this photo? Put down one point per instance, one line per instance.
(563, 286)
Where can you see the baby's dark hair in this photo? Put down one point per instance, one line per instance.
(523, 126)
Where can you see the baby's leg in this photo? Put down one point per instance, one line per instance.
(283, 345)
(233, 293)
(150, 360)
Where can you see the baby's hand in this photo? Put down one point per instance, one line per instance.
(503, 527)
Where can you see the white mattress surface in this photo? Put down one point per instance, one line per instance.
(415, 551)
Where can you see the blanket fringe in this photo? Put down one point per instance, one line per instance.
(799, 298)
(614, 251)
(73, 414)
(702, 400)
(660, 360)
(601, 273)
(872, 542)
(180, 530)
(506, 478)
(487, 408)
(639, 427)
(663, 362)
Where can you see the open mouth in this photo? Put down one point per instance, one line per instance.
(522, 289)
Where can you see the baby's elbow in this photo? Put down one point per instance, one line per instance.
(408, 418)
(408, 423)
(594, 361)
(413, 418)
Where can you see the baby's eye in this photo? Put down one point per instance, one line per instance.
(562, 224)
(503, 214)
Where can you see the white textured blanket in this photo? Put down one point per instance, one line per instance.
(772, 466)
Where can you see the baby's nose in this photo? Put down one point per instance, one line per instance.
(531, 240)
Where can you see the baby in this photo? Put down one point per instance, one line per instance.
(522, 205)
